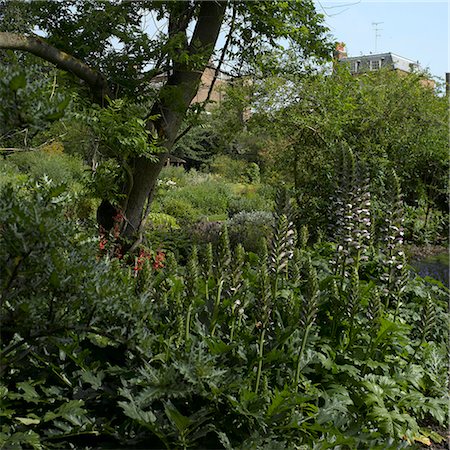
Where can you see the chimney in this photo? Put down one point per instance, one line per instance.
(340, 52)
(447, 84)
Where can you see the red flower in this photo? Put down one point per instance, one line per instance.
(158, 263)
(102, 243)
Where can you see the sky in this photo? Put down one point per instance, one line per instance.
(417, 30)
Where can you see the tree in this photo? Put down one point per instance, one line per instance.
(389, 121)
(108, 48)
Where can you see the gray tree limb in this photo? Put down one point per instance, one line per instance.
(38, 47)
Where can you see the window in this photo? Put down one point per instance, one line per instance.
(375, 65)
(355, 66)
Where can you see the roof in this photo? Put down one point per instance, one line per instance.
(390, 60)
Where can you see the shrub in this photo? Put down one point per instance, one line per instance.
(9, 173)
(248, 203)
(179, 208)
(176, 174)
(162, 221)
(250, 229)
(252, 173)
(206, 231)
(58, 167)
(229, 168)
(191, 202)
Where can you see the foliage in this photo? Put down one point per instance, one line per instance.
(229, 168)
(229, 350)
(119, 130)
(301, 122)
(59, 167)
(33, 97)
(86, 30)
(114, 53)
(250, 229)
(206, 197)
(198, 196)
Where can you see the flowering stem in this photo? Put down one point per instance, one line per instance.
(216, 307)
(188, 323)
(232, 330)
(300, 355)
(260, 358)
(233, 325)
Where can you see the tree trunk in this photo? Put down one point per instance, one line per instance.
(174, 100)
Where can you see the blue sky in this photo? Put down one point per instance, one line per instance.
(418, 30)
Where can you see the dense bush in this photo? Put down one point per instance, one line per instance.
(230, 168)
(248, 200)
(250, 229)
(57, 166)
(312, 348)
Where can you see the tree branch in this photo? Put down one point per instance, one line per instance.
(222, 56)
(64, 61)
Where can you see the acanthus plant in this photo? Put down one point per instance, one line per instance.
(233, 349)
(351, 208)
(395, 272)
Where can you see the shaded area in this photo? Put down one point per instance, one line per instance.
(436, 266)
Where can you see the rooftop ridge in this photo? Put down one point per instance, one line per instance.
(379, 55)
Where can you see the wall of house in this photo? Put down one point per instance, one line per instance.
(218, 90)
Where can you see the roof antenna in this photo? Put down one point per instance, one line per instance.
(377, 34)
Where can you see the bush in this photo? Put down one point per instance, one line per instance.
(175, 174)
(253, 173)
(192, 202)
(248, 203)
(162, 221)
(9, 173)
(423, 229)
(179, 208)
(205, 231)
(250, 229)
(229, 168)
(58, 167)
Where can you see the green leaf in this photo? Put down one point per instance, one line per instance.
(180, 421)
(146, 418)
(95, 380)
(30, 394)
(17, 82)
(28, 420)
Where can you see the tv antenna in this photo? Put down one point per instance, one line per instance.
(377, 34)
